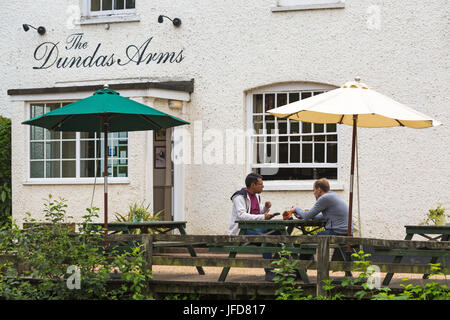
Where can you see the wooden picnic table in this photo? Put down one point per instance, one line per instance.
(432, 233)
(155, 227)
(277, 226)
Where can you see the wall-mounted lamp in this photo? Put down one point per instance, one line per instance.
(40, 30)
(175, 104)
(176, 22)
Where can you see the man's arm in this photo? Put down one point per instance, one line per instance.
(241, 210)
(315, 211)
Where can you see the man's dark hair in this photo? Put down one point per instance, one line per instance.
(252, 178)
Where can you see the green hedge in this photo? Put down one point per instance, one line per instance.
(5, 170)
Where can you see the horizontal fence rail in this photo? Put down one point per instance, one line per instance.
(320, 245)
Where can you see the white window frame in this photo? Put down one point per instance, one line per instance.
(77, 179)
(107, 16)
(298, 5)
(287, 184)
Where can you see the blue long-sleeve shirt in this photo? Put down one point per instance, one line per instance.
(333, 209)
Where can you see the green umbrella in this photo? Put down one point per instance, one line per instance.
(105, 111)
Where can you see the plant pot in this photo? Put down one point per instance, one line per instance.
(441, 220)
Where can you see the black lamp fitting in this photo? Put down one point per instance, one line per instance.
(176, 22)
(41, 30)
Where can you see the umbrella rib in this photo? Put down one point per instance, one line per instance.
(401, 124)
(342, 118)
(151, 121)
(59, 124)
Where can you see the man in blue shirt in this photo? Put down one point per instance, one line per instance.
(330, 206)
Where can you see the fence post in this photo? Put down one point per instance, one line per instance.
(148, 246)
(323, 263)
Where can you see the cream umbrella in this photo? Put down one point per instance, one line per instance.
(357, 105)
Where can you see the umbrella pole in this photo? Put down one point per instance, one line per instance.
(105, 174)
(352, 173)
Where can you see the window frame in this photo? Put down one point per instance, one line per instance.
(108, 16)
(288, 184)
(70, 180)
(298, 5)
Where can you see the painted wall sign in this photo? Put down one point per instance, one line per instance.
(70, 55)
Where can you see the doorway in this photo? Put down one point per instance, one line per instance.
(163, 174)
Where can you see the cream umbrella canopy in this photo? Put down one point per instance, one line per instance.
(357, 105)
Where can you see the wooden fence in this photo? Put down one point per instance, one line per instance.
(321, 244)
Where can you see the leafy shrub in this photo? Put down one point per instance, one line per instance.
(47, 251)
(5, 170)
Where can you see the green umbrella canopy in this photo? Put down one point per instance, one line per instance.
(105, 105)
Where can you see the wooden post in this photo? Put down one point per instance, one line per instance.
(148, 246)
(323, 263)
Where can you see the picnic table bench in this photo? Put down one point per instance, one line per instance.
(432, 233)
(153, 227)
(273, 226)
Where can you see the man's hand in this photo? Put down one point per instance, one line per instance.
(268, 216)
(268, 204)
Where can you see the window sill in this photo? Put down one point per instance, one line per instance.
(108, 19)
(57, 181)
(307, 185)
(311, 6)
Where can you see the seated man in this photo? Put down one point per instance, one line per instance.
(247, 206)
(331, 207)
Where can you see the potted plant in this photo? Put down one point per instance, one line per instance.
(437, 216)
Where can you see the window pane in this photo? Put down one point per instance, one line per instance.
(52, 169)
(68, 150)
(52, 135)
(69, 135)
(332, 152)
(260, 153)
(106, 5)
(118, 4)
(332, 137)
(123, 151)
(257, 103)
(37, 169)
(87, 149)
(307, 153)
(331, 127)
(295, 153)
(294, 97)
(87, 168)
(306, 127)
(294, 126)
(130, 4)
(258, 124)
(52, 150)
(51, 106)
(319, 138)
(87, 135)
(95, 5)
(270, 101)
(307, 138)
(283, 153)
(270, 124)
(270, 153)
(294, 138)
(37, 150)
(281, 99)
(282, 126)
(318, 128)
(37, 110)
(319, 152)
(306, 95)
(37, 133)
(68, 169)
